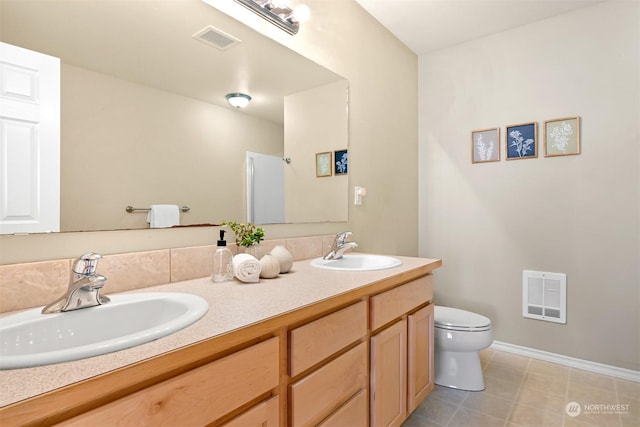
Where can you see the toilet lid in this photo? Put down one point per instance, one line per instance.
(460, 320)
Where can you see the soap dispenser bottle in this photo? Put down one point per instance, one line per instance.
(222, 261)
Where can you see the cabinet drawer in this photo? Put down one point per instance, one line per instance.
(265, 414)
(316, 395)
(352, 414)
(196, 397)
(394, 303)
(321, 338)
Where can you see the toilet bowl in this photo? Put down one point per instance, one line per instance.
(459, 337)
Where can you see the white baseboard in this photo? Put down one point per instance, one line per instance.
(599, 368)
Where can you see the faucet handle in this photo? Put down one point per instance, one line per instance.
(86, 265)
(341, 238)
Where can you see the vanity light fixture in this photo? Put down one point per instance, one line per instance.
(238, 100)
(279, 13)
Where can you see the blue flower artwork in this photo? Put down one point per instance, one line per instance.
(341, 162)
(522, 141)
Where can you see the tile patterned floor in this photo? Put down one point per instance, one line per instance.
(524, 392)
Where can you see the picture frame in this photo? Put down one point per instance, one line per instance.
(521, 141)
(323, 164)
(341, 162)
(562, 136)
(485, 145)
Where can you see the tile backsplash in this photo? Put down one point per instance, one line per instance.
(36, 284)
(33, 284)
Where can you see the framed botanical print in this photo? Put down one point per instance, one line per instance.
(562, 136)
(521, 141)
(485, 145)
(341, 162)
(323, 164)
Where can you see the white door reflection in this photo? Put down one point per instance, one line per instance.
(265, 189)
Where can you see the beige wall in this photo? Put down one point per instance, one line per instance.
(577, 215)
(315, 121)
(127, 144)
(383, 139)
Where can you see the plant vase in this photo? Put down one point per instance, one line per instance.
(256, 250)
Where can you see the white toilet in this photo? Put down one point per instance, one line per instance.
(459, 337)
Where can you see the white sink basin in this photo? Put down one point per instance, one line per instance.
(30, 338)
(357, 262)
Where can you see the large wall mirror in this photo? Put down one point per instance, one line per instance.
(144, 119)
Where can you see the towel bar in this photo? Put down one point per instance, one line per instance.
(131, 209)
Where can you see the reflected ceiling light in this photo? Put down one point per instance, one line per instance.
(300, 14)
(279, 12)
(238, 100)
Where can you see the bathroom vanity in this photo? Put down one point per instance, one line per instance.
(311, 347)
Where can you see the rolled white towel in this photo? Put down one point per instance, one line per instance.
(246, 268)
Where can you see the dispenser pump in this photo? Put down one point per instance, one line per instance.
(222, 242)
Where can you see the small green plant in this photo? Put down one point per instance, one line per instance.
(246, 234)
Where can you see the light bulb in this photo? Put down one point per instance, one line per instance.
(301, 14)
(280, 4)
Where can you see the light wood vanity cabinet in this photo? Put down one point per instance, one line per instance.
(401, 353)
(362, 358)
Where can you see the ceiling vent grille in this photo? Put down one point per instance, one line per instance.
(216, 38)
(544, 296)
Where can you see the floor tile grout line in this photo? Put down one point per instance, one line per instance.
(459, 405)
(566, 397)
(454, 414)
(447, 402)
(573, 375)
(512, 401)
(615, 389)
(617, 397)
(517, 395)
(525, 371)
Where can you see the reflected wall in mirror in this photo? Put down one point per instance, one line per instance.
(145, 120)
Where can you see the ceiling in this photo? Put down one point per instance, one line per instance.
(427, 25)
(151, 43)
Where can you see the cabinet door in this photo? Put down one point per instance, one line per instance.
(388, 375)
(420, 356)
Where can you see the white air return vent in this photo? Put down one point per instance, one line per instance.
(216, 38)
(544, 296)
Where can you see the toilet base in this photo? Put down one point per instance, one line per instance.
(459, 369)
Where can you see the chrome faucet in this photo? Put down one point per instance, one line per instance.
(84, 287)
(340, 244)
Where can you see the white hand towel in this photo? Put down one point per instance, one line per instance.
(163, 216)
(246, 268)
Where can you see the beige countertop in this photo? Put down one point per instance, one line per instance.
(232, 306)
